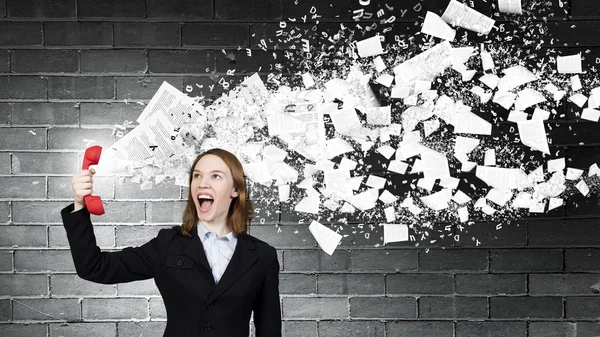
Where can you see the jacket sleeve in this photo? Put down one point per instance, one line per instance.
(126, 265)
(266, 307)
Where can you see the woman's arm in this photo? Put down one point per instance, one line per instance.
(267, 310)
(129, 264)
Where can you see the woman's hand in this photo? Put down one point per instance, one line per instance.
(82, 185)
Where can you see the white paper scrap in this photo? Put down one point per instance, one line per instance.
(540, 114)
(489, 158)
(386, 151)
(461, 198)
(464, 16)
(515, 77)
(397, 166)
(555, 203)
(390, 214)
(576, 83)
(533, 134)
(510, 6)
(499, 197)
(435, 26)
(284, 192)
(465, 144)
(556, 164)
(528, 97)
(375, 182)
(569, 64)
(309, 204)
(369, 47)
(463, 214)
(439, 200)
(573, 173)
(583, 188)
(522, 200)
(385, 80)
(594, 170)
(502, 178)
(394, 233)
(379, 64)
(327, 239)
(590, 114)
(387, 198)
(490, 80)
(307, 80)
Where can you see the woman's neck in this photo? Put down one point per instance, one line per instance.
(219, 229)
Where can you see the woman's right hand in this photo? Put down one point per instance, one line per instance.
(82, 185)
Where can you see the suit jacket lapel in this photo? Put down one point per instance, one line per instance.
(195, 250)
(243, 258)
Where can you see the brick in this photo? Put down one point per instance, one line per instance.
(60, 187)
(150, 329)
(582, 307)
(90, 329)
(584, 8)
(109, 113)
(419, 329)
(4, 211)
(6, 261)
(568, 33)
(23, 187)
(297, 284)
(57, 308)
(84, 87)
(41, 9)
(383, 307)
(522, 307)
(453, 307)
(238, 60)
(582, 259)
(384, 260)
(492, 284)
(526, 260)
(165, 211)
(44, 113)
(23, 139)
(113, 61)
(5, 310)
(23, 285)
(5, 163)
(77, 138)
(284, 236)
(121, 212)
(24, 87)
(2, 9)
(143, 87)
(157, 309)
(5, 113)
(22, 236)
(18, 330)
(562, 284)
(560, 329)
(4, 61)
(111, 9)
(315, 260)
(4, 88)
(73, 285)
(496, 329)
(180, 61)
(115, 308)
(183, 9)
(354, 284)
(105, 236)
(299, 329)
(77, 33)
(43, 260)
(351, 328)
(332, 10)
(138, 288)
(44, 61)
(165, 190)
(315, 307)
(20, 33)
(564, 233)
(486, 234)
(418, 284)
(253, 9)
(453, 259)
(133, 34)
(29, 212)
(136, 235)
(209, 34)
(44, 163)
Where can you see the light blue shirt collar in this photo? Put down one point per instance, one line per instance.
(204, 235)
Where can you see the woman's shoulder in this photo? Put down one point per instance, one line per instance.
(261, 246)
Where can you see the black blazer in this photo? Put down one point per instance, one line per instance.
(195, 305)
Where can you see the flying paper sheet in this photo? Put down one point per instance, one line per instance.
(435, 26)
(425, 66)
(464, 16)
(569, 64)
(394, 233)
(533, 134)
(503, 178)
(515, 77)
(528, 97)
(510, 6)
(369, 47)
(327, 239)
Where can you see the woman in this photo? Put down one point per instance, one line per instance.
(210, 273)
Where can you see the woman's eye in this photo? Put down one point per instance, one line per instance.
(216, 176)
(196, 175)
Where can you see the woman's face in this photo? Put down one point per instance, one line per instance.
(212, 190)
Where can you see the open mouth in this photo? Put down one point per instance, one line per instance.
(205, 201)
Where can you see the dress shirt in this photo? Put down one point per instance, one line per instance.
(218, 250)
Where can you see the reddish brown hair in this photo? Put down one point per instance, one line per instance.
(240, 210)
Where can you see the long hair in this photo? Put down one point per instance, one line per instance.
(240, 209)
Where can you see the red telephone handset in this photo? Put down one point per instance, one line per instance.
(92, 202)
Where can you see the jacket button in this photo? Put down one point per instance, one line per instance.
(179, 263)
(207, 327)
(210, 305)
